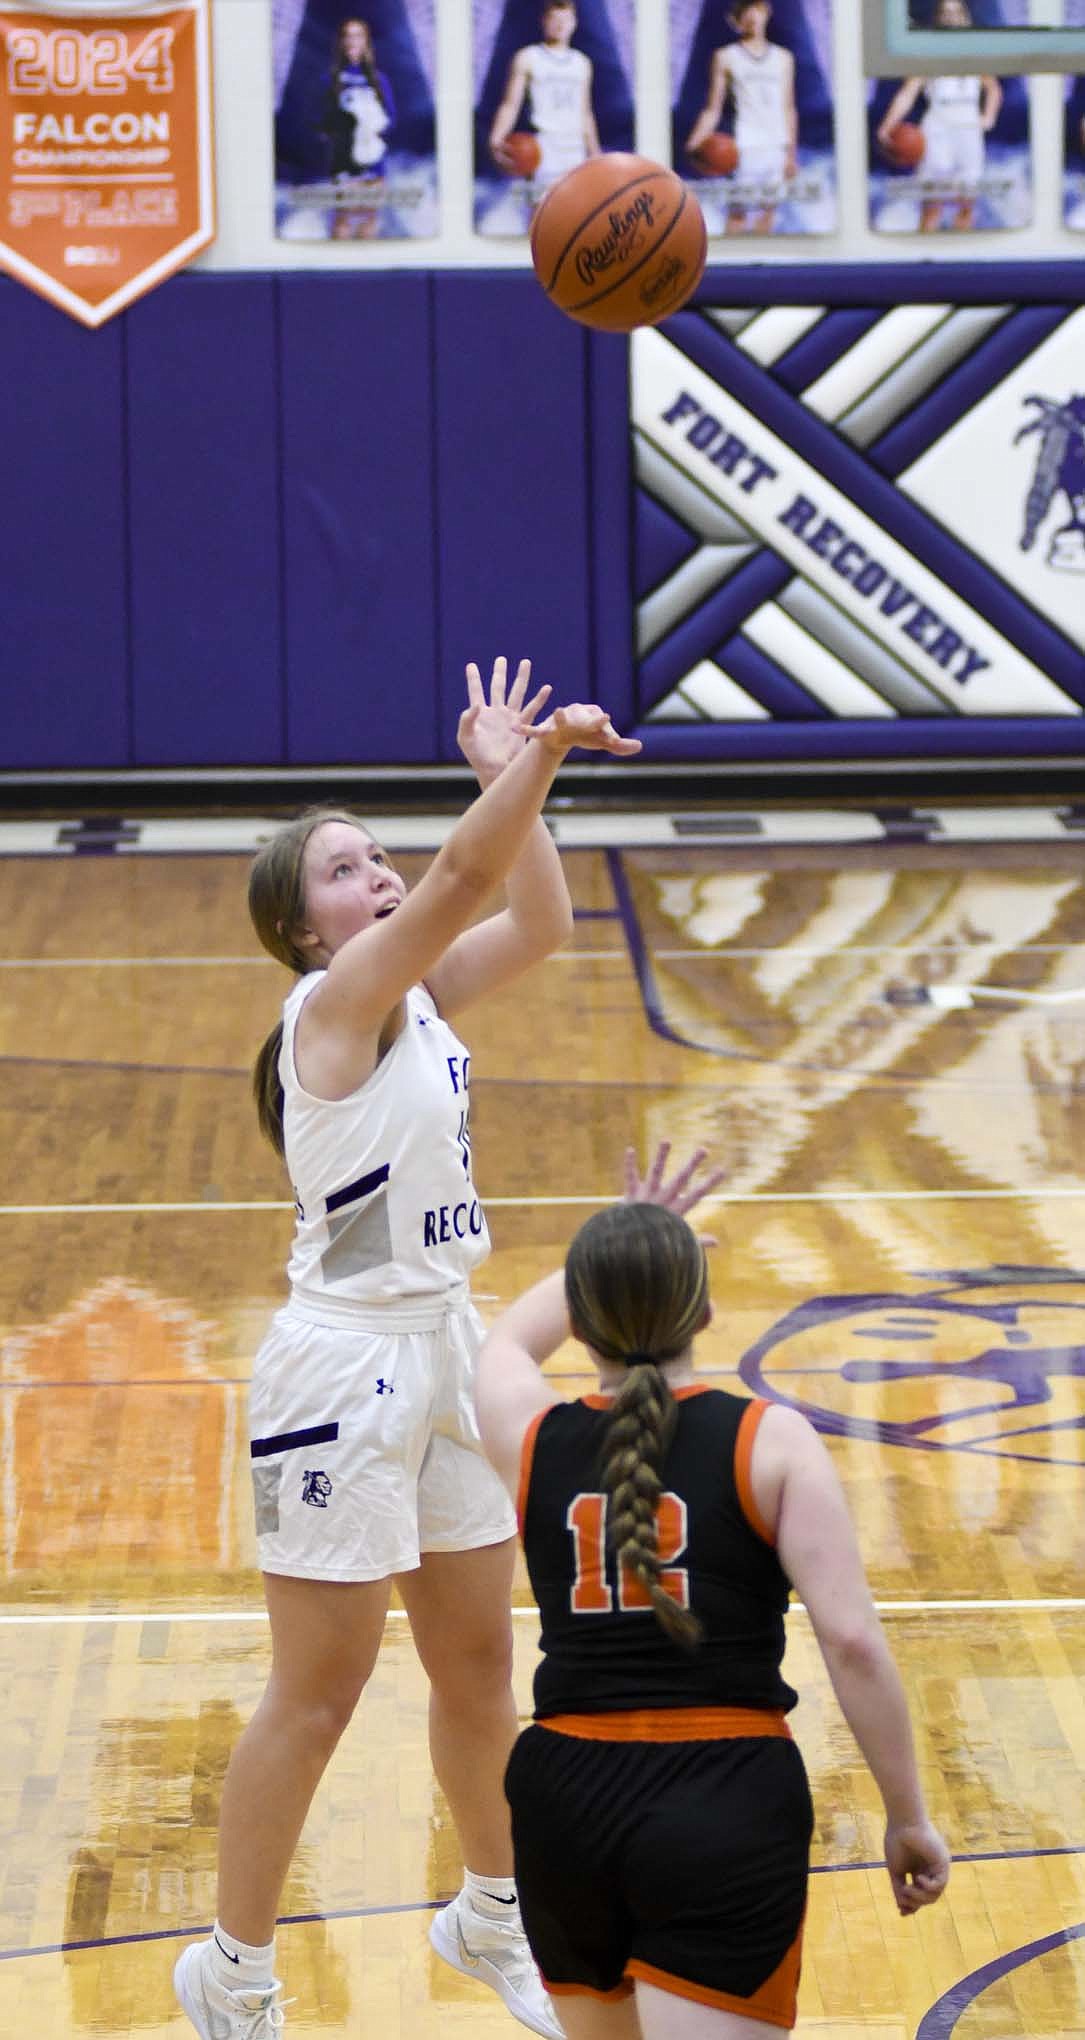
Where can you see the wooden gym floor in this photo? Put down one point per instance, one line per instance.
(885, 1044)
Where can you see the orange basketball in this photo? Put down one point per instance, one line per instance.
(523, 154)
(905, 145)
(619, 242)
(717, 155)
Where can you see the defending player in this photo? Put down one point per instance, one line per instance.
(661, 1814)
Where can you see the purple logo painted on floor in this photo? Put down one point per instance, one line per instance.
(981, 1360)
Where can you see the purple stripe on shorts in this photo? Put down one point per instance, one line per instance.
(288, 1441)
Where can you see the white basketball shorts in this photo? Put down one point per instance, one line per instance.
(557, 155)
(365, 1447)
(759, 178)
(954, 156)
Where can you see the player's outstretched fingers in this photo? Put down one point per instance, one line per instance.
(531, 708)
(520, 684)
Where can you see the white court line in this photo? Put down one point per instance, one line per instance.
(1054, 1605)
(836, 949)
(723, 952)
(1040, 1190)
(133, 962)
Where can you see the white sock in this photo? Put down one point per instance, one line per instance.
(493, 1898)
(237, 1966)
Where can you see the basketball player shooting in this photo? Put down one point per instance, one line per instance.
(556, 82)
(758, 76)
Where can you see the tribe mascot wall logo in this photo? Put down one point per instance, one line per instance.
(840, 511)
(1060, 469)
(988, 1361)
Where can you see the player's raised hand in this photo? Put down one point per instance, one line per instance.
(491, 733)
(583, 726)
(681, 1192)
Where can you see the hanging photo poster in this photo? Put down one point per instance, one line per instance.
(751, 113)
(355, 126)
(1073, 178)
(553, 85)
(1073, 183)
(950, 154)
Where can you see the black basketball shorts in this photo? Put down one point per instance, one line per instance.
(683, 1863)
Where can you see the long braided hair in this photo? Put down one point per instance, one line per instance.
(636, 1284)
(277, 910)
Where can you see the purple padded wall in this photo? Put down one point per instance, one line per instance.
(608, 489)
(514, 567)
(203, 485)
(357, 448)
(63, 562)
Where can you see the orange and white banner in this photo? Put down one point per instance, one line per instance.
(106, 173)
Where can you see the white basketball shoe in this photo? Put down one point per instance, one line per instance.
(221, 2014)
(495, 1952)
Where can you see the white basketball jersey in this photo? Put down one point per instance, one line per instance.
(382, 1180)
(953, 102)
(358, 98)
(761, 88)
(557, 80)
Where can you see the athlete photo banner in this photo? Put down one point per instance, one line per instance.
(1073, 182)
(355, 120)
(752, 127)
(553, 86)
(106, 173)
(950, 153)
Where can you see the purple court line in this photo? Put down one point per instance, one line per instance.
(942, 2019)
(655, 1014)
(366, 1912)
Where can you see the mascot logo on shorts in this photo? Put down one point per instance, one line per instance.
(1060, 470)
(315, 1489)
(988, 1361)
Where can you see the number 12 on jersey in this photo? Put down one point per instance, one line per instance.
(591, 1592)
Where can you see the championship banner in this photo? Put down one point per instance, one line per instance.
(106, 177)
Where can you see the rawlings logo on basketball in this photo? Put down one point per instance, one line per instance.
(621, 242)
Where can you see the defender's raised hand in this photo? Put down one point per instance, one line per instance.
(681, 1193)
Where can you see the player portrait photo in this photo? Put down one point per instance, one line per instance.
(751, 113)
(950, 154)
(1073, 178)
(355, 150)
(553, 86)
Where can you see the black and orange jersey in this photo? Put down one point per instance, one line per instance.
(603, 1648)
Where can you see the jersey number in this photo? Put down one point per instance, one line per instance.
(591, 1592)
